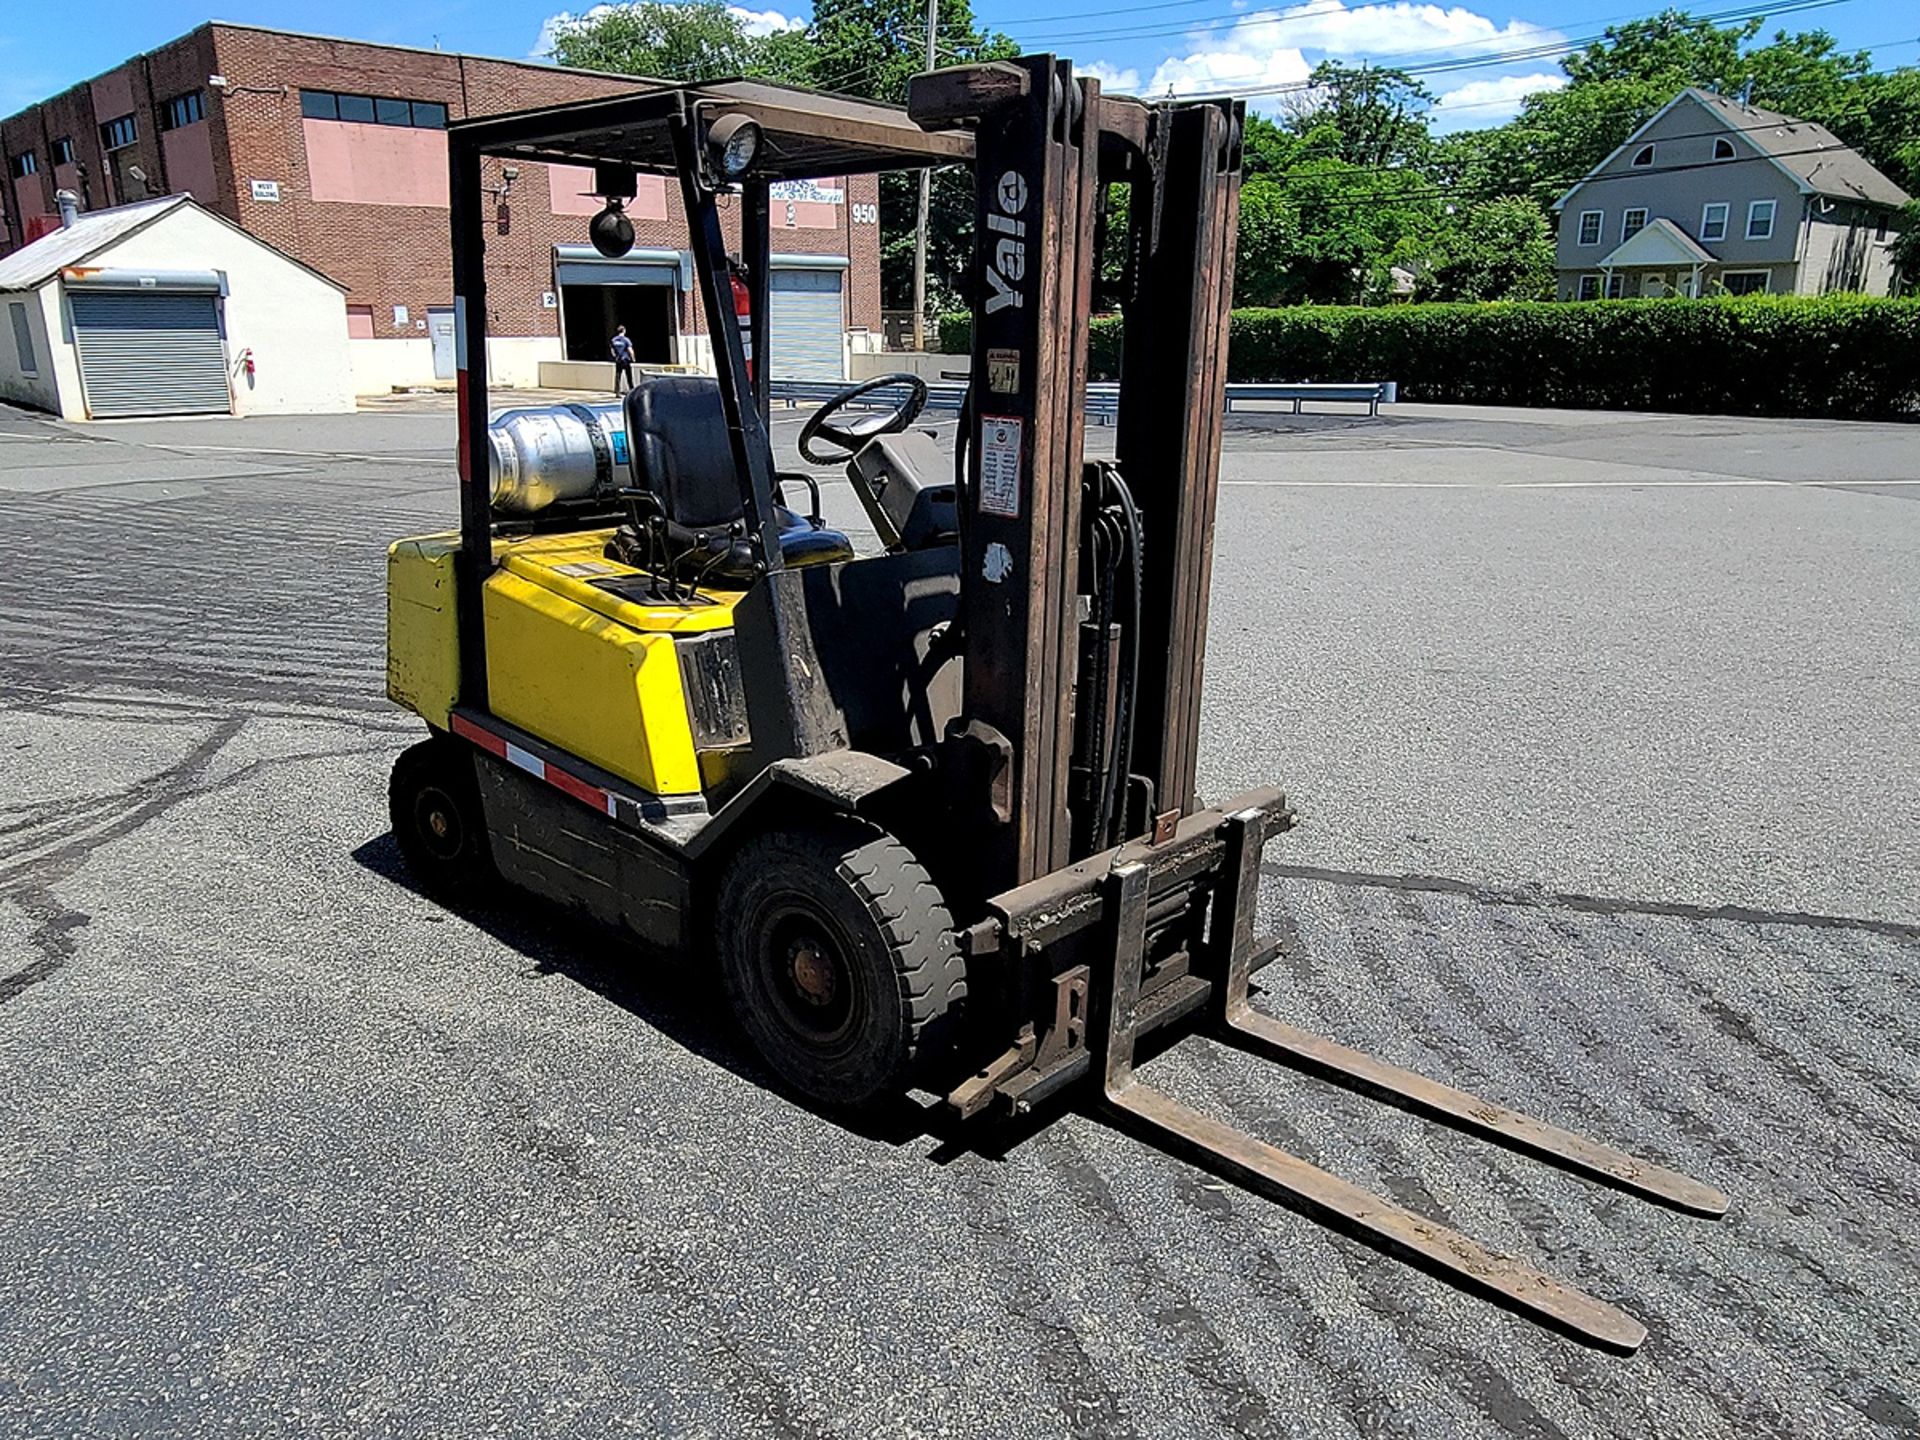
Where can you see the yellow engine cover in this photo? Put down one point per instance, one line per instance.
(576, 665)
(423, 633)
(590, 685)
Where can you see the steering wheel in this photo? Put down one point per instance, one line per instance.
(851, 436)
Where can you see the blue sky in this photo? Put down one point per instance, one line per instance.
(1191, 45)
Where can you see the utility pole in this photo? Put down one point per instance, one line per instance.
(920, 233)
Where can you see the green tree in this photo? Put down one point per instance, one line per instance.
(1497, 250)
(1363, 115)
(1906, 248)
(688, 41)
(872, 48)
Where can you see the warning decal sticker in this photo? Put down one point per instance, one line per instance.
(1000, 466)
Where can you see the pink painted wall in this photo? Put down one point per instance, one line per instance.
(567, 186)
(376, 164)
(27, 199)
(189, 155)
(113, 97)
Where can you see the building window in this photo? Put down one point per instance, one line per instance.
(1643, 156)
(1880, 228)
(1713, 221)
(63, 150)
(373, 110)
(1760, 220)
(118, 134)
(25, 164)
(23, 340)
(1723, 149)
(1616, 286)
(1590, 223)
(183, 110)
(1632, 222)
(1589, 287)
(1746, 282)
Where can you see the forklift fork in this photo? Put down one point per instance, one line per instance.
(1256, 1165)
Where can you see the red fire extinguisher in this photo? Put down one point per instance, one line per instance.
(743, 312)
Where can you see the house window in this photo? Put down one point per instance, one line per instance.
(1643, 156)
(1713, 221)
(25, 164)
(1880, 229)
(1632, 222)
(183, 110)
(1746, 282)
(373, 110)
(1589, 287)
(1723, 149)
(1590, 223)
(63, 150)
(23, 340)
(1616, 286)
(118, 134)
(1760, 220)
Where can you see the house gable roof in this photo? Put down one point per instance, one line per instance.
(1660, 242)
(1812, 156)
(1821, 161)
(31, 266)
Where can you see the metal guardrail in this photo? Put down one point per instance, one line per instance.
(1103, 398)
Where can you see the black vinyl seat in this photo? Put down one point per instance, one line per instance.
(678, 452)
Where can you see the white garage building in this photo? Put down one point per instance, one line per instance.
(164, 308)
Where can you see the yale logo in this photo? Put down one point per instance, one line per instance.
(1009, 265)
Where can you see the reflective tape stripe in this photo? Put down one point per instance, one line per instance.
(523, 759)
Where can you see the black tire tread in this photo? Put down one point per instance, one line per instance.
(908, 912)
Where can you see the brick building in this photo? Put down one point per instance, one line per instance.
(334, 151)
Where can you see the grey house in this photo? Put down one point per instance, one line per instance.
(1713, 196)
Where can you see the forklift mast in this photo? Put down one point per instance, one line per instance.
(1086, 727)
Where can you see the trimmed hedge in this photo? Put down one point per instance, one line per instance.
(1844, 356)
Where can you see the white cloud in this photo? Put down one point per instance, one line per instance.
(1489, 102)
(1111, 77)
(754, 22)
(765, 22)
(1228, 69)
(1269, 46)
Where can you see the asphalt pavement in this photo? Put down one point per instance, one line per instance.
(1605, 731)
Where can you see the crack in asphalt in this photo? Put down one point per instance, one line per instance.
(1530, 897)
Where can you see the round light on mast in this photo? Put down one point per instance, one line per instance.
(733, 142)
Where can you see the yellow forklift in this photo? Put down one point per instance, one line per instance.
(931, 810)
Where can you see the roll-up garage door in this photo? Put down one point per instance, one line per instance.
(806, 333)
(148, 353)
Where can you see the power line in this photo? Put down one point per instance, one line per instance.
(1496, 58)
(1434, 191)
(1278, 16)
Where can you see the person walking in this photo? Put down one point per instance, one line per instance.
(622, 361)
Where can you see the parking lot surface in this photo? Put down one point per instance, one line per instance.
(1605, 731)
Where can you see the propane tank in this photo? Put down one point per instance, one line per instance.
(555, 452)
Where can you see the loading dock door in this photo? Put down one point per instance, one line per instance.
(150, 353)
(807, 335)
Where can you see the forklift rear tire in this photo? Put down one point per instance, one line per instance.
(839, 960)
(433, 800)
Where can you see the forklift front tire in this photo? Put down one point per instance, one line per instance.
(839, 959)
(433, 800)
